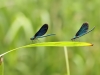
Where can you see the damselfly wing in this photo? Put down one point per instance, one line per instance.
(82, 31)
(40, 33)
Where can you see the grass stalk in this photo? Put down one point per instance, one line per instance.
(66, 60)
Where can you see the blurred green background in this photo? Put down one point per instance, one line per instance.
(20, 19)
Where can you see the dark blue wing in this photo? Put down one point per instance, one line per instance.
(82, 30)
(42, 30)
(89, 30)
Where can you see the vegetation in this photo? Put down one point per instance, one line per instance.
(20, 19)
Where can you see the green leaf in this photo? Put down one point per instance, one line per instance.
(58, 44)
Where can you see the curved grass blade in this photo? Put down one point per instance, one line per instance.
(57, 44)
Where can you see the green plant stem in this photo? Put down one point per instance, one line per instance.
(2, 67)
(66, 59)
